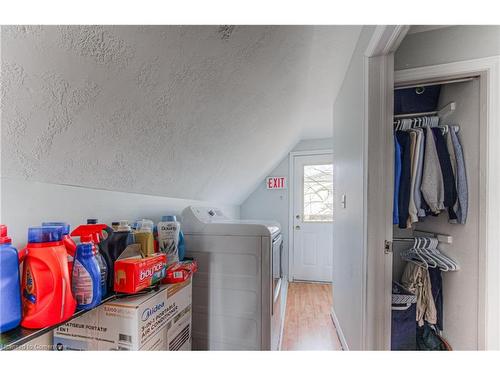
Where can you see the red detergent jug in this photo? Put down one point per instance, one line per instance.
(46, 290)
(68, 242)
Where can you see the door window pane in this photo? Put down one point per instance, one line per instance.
(318, 193)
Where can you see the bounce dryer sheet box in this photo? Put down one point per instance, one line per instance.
(153, 321)
(133, 275)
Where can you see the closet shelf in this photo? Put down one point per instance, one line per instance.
(442, 113)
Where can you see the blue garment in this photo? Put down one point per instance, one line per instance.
(437, 294)
(405, 180)
(397, 177)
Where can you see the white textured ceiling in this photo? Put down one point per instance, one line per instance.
(200, 112)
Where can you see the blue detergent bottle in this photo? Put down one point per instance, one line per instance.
(86, 278)
(10, 284)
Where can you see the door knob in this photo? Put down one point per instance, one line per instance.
(297, 216)
(297, 227)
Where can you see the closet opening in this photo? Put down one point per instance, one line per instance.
(437, 214)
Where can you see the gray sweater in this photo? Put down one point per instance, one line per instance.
(432, 186)
(461, 206)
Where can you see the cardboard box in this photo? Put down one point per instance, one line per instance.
(155, 321)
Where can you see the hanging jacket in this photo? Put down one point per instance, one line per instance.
(417, 194)
(415, 153)
(450, 191)
(405, 179)
(461, 205)
(432, 186)
(397, 176)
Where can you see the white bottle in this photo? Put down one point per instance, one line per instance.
(168, 238)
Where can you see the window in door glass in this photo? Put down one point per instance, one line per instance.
(318, 193)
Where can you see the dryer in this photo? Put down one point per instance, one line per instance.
(237, 289)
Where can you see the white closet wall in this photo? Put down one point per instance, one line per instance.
(461, 289)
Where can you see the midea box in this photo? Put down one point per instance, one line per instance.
(154, 321)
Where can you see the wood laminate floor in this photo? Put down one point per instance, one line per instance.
(308, 325)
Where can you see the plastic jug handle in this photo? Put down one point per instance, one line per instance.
(22, 254)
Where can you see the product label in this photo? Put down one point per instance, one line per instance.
(168, 241)
(29, 290)
(82, 284)
(104, 270)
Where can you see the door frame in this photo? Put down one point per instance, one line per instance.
(378, 82)
(291, 179)
(488, 70)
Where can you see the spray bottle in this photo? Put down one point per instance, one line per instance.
(92, 233)
(86, 278)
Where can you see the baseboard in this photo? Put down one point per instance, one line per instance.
(285, 289)
(336, 323)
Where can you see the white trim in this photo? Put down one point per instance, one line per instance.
(291, 175)
(489, 288)
(415, 29)
(386, 40)
(340, 334)
(377, 266)
(284, 293)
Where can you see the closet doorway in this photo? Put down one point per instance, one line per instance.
(311, 217)
(463, 106)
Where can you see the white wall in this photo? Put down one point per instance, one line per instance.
(349, 232)
(176, 111)
(274, 204)
(448, 44)
(27, 204)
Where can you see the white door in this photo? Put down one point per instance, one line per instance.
(312, 217)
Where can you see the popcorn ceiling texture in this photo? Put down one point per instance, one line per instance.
(197, 112)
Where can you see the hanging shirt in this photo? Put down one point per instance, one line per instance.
(415, 151)
(417, 194)
(461, 205)
(450, 191)
(432, 186)
(405, 179)
(397, 176)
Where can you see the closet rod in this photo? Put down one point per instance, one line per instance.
(404, 239)
(443, 82)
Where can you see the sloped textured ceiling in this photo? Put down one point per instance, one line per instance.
(199, 112)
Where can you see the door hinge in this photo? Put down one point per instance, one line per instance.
(387, 247)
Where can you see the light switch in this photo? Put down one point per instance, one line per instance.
(343, 201)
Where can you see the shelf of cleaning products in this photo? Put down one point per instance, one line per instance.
(19, 336)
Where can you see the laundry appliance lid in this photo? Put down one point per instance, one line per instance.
(210, 220)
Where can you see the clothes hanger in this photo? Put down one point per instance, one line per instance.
(409, 255)
(443, 264)
(448, 264)
(426, 253)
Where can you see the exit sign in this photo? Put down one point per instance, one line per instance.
(273, 183)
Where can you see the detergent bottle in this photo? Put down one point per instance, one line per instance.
(144, 236)
(92, 233)
(114, 245)
(86, 278)
(46, 285)
(168, 237)
(68, 242)
(10, 285)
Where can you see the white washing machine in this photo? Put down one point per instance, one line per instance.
(237, 289)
